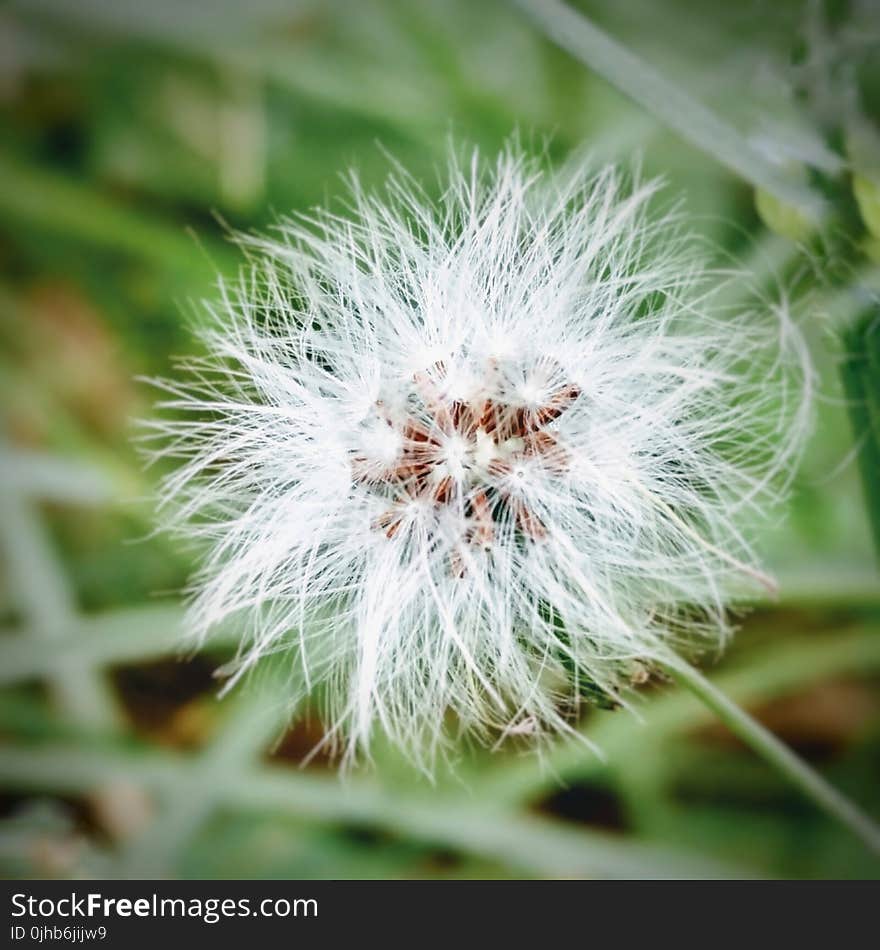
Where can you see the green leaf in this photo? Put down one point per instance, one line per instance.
(860, 372)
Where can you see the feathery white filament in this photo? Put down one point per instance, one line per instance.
(474, 461)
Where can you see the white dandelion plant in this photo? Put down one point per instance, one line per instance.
(479, 460)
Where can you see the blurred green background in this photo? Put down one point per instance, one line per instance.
(133, 137)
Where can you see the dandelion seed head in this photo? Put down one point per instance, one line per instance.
(477, 461)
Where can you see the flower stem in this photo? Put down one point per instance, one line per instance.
(666, 100)
(777, 754)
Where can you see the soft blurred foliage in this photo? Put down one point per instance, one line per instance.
(135, 137)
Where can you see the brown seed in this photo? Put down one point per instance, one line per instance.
(556, 405)
(389, 522)
(484, 532)
(443, 491)
(530, 523)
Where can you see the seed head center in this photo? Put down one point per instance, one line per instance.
(462, 456)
